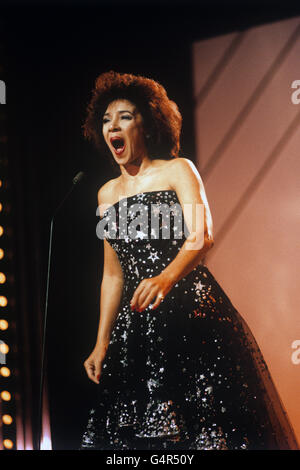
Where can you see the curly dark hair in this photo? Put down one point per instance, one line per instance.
(162, 119)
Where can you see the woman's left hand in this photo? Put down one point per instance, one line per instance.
(154, 287)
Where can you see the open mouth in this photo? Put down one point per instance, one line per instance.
(119, 144)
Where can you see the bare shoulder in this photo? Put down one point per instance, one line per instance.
(106, 191)
(182, 163)
(183, 170)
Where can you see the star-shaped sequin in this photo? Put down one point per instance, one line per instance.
(140, 196)
(140, 234)
(199, 285)
(153, 256)
(155, 209)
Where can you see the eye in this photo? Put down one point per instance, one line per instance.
(105, 120)
(127, 117)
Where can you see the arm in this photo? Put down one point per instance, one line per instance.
(110, 298)
(190, 190)
(112, 282)
(186, 181)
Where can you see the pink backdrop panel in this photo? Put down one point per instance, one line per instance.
(247, 143)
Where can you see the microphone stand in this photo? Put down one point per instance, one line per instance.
(76, 180)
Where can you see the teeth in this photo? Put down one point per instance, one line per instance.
(120, 150)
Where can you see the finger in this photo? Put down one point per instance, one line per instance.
(158, 300)
(147, 301)
(136, 294)
(88, 365)
(144, 295)
(90, 371)
(135, 297)
(98, 371)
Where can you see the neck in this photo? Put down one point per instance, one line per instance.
(135, 169)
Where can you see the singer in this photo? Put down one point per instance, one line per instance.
(175, 364)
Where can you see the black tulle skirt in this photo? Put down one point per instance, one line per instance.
(188, 375)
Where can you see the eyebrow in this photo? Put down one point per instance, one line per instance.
(122, 111)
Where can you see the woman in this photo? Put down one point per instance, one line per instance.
(176, 365)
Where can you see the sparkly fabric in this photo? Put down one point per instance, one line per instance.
(189, 374)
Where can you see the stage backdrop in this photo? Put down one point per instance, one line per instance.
(247, 118)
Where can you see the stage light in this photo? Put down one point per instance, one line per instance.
(3, 324)
(5, 395)
(12, 426)
(4, 371)
(7, 419)
(8, 444)
(4, 348)
(3, 301)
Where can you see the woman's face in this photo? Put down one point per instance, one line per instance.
(123, 131)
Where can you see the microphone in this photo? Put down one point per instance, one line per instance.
(79, 176)
(75, 181)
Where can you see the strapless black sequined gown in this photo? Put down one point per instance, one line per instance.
(189, 374)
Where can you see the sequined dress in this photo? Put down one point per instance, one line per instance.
(189, 374)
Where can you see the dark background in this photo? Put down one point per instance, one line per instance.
(53, 54)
